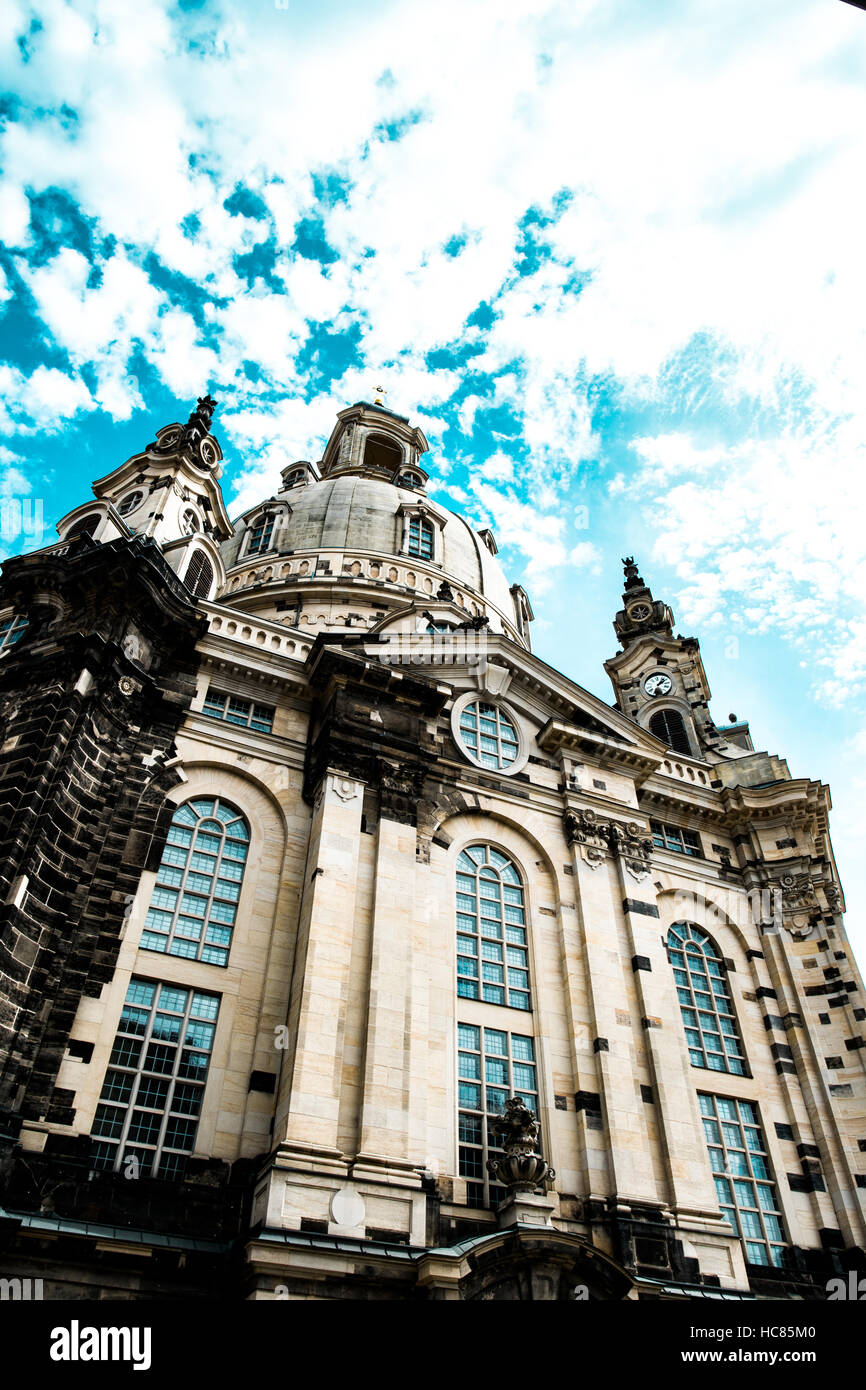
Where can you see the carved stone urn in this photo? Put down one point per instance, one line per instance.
(521, 1168)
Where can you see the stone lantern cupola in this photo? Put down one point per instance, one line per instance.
(374, 442)
(641, 614)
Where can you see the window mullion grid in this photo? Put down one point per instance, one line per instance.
(139, 1075)
(133, 1095)
(763, 1246)
(197, 893)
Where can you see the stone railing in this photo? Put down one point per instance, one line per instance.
(265, 636)
(333, 566)
(684, 770)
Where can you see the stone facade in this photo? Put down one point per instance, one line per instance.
(351, 686)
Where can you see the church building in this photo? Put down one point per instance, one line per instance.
(348, 950)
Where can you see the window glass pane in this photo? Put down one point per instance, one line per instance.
(470, 1096)
(496, 1071)
(108, 1122)
(470, 1065)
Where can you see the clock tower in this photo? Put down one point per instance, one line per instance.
(659, 678)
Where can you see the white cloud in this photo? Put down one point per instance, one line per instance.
(767, 535)
(499, 468)
(585, 555)
(42, 401)
(14, 215)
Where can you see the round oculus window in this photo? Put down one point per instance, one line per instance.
(488, 735)
(129, 503)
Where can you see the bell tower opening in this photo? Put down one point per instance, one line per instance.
(669, 726)
(382, 452)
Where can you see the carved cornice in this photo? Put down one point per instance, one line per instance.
(639, 760)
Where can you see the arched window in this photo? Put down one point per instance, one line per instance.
(705, 1000)
(420, 540)
(261, 533)
(492, 957)
(192, 911)
(199, 575)
(295, 478)
(381, 452)
(409, 480)
(667, 724)
(84, 526)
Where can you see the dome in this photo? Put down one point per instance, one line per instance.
(335, 537)
(351, 513)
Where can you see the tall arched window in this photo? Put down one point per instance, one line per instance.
(705, 1000)
(84, 526)
(192, 911)
(492, 957)
(199, 575)
(668, 725)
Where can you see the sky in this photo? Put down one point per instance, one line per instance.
(609, 255)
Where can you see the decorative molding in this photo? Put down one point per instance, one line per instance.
(595, 837)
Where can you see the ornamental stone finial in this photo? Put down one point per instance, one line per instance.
(632, 577)
(521, 1168)
(198, 424)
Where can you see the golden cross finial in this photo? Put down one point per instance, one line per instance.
(379, 398)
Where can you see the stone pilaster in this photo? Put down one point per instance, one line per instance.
(629, 1176)
(312, 1082)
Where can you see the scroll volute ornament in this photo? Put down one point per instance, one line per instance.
(801, 906)
(583, 829)
(594, 837)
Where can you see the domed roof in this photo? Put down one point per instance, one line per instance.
(351, 512)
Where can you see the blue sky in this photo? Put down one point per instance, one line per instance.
(608, 254)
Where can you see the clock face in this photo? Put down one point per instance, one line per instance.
(639, 611)
(659, 684)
